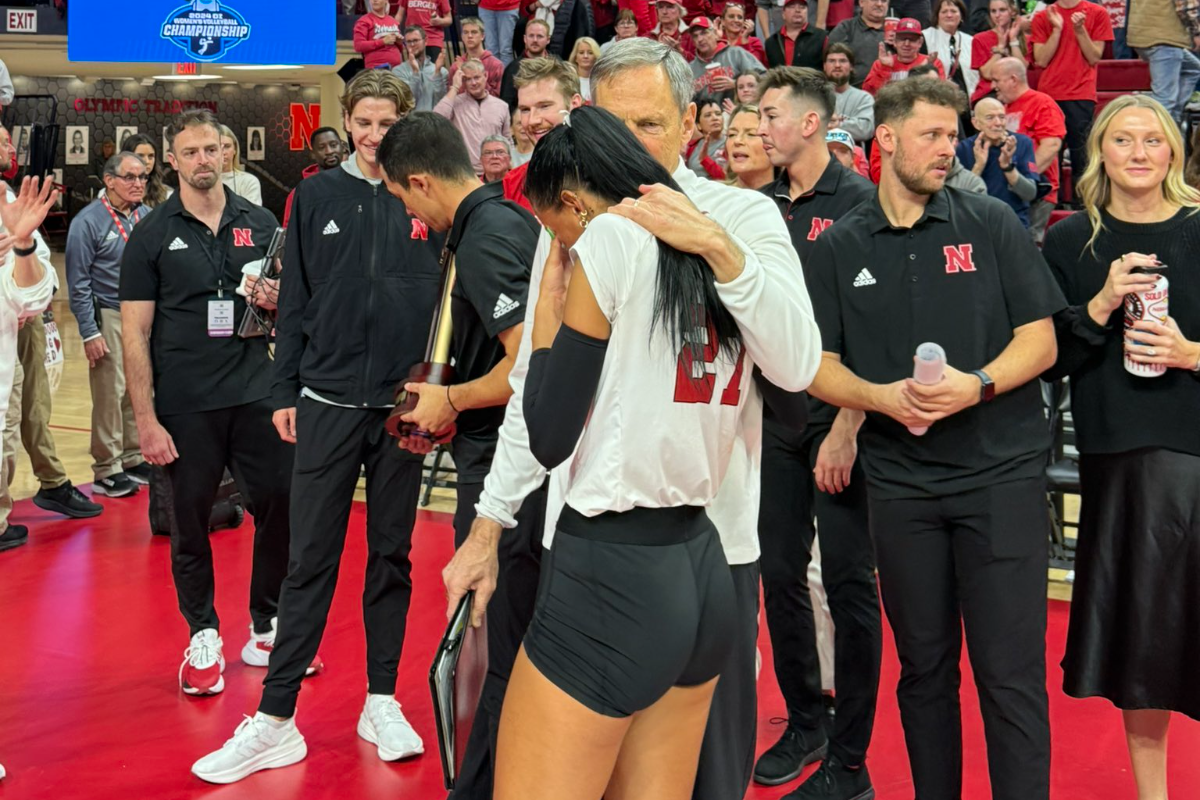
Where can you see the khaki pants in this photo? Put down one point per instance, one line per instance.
(8, 458)
(114, 433)
(35, 405)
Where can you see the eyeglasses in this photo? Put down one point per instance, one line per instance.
(133, 178)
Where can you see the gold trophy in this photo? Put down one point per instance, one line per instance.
(435, 368)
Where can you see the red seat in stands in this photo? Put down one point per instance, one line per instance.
(1033, 75)
(1123, 75)
(1057, 216)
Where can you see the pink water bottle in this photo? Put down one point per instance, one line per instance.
(1151, 305)
(928, 369)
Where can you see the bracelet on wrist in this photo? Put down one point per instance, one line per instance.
(451, 402)
(24, 251)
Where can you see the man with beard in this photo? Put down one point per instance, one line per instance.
(201, 394)
(537, 39)
(816, 474)
(955, 468)
(547, 90)
(854, 109)
(649, 86)
(325, 149)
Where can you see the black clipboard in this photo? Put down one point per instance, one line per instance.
(456, 682)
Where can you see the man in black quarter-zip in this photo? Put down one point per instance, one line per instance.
(360, 282)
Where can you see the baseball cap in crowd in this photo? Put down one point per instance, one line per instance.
(787, 3)
(908, 25)
(842, 137)
(700, 22)
(682, 7)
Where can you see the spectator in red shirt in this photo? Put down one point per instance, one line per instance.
(1036, 115)
(643, 12)
(1005, 39)
(433, 16)
(325, 149)
(473, 39)
(1068, 40)
(604, 19)
(671, 30)
(733, 32)
(888, 67)
(377, 36)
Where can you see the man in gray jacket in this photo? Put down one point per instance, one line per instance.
(426, 78)
(95, 245)
(717, 65)
(855, 109)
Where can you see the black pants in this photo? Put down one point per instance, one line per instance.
(975, 560)
(333, 445)
(727, 753)
(785, 527)
(508, 615)
(243, 439)
(1079, 115)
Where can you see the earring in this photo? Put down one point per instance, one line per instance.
(583, 218)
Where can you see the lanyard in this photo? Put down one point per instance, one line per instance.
(137, 214)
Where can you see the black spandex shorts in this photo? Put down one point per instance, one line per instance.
(631, 604)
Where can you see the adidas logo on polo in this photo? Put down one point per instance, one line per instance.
(331, 229)
(111, 235)
(504, 304)
(865, 278)
(178, 244)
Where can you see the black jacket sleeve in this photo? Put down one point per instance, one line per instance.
(1080, 339)
(559, 389)
(294, 295)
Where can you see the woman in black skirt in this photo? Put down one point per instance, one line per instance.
(1134, 635)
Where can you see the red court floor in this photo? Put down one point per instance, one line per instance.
(90, 706)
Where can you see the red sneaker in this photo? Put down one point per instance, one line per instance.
(203, 663)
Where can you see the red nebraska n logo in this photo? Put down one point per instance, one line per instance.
(958, 258)
(241, 237)
(818, 227)
(419, 230)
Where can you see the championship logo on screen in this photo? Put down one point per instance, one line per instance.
(205, 29)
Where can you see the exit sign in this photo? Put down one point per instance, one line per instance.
(22, 20)
(187, 69)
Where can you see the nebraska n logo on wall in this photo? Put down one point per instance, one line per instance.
(205, 30)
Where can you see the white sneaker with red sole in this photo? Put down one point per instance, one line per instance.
(203, 665)
(257, 652)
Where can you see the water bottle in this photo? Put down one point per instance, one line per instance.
(928, 369)
(1152, 305)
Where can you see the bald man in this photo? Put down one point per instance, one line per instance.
(1004, 160)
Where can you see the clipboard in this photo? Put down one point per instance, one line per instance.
(456, 683)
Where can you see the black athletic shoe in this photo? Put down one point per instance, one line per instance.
(139, 474)
(788, 757)
(14, 536)
(68, 501)
(118, 485)
(835, 781)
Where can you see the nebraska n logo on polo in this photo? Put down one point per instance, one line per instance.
(818, 227)
(241, 237)
(959, 258)
(205, 29)
(419, 230)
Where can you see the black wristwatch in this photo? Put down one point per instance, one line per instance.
(987, 389)
(1009, 168)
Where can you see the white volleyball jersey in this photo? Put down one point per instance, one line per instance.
(663, 423)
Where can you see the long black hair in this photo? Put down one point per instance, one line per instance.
(156, 190)
(596, 152)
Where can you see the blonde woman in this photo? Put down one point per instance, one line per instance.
(748, 165)
(583, 57)
(1134, 635)
(237, 179)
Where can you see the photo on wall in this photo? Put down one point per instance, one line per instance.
(78, 145)
(256, 144)
(23, 134)
(123, 133)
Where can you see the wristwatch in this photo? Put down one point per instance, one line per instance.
(987, 389)
(1009, 168)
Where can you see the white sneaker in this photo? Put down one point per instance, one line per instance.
(203, 663)
(257, 652)
(382, 723)
(257, 744)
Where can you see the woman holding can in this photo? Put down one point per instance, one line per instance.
(1134, 635)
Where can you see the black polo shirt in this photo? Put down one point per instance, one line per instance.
(836, 192)
(493, 240)
(964, 276)
(175, 260)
